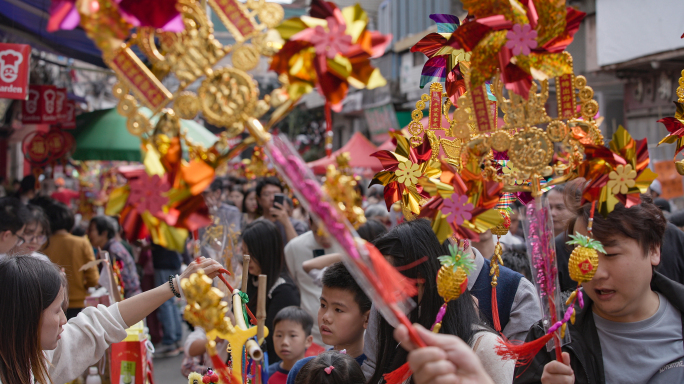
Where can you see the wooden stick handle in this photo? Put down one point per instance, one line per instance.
(261, 308)
(245, 272)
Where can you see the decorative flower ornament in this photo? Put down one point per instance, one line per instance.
(675, 125)
(521, 39)
(408, 173)
(404, 169)
(621, 179)
(457, 209)
(618, 174)
(146, 194)
(331, 42)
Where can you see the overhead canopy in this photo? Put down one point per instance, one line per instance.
(102, 135)
(360, 150)
(28, 19)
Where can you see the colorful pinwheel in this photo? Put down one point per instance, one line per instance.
(675, 125)
(404, 169)
(534, 32)
(329, 50)
(443, 58)
(463, 204)
(619, 174)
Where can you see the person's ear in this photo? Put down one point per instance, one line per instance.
(5, 235)
(366, 316)
(654, 256)
(308, 341)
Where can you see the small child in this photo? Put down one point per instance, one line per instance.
(331, 367)
(342, 316)
(291, 338)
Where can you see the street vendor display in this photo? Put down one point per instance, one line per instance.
(500, 62)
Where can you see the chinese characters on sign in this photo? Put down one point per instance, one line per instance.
(14, 71)
(435, 109)
(140, 79)
(233, 16)
(481, 109)
(566, 96)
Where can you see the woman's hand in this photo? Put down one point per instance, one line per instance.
(446, 359)
(210, 266)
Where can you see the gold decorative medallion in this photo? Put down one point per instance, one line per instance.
(531, 150)
(228, 96)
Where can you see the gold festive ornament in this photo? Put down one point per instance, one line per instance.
(452, 278)
(342, 187)
(583, 260)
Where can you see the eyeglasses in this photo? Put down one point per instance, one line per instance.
(40, 239)
(20, 240)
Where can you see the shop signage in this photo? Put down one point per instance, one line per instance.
(14, 70)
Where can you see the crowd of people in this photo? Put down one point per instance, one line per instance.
(323, 328)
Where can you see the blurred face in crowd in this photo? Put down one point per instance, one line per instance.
(8, 239)
(236, 197)
(620, 288)
(254, 268)
(266, 198)
(34, 236)
(96, 239)
(559, 212)
(515, 222)
(251, 202)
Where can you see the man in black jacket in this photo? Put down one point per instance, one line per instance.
(630, 329)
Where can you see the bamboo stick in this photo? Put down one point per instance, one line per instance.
(261, 308)
(245, 272)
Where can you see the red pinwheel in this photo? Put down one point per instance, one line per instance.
(675, 125)
(403, 169)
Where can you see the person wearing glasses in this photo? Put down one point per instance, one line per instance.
(13, 219)
(35, 234)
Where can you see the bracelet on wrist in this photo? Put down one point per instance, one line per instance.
(173, 289)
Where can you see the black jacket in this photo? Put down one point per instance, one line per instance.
(586, 359)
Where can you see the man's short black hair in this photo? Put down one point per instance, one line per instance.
(337, 276)
(58, 213)
(105, 224)
(296, 315)
(271, 180)
(13, 214)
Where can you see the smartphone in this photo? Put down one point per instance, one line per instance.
(279, 198)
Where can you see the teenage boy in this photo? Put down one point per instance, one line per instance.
(13, 218)
(630, 329)
(291, 338)
(342, 316)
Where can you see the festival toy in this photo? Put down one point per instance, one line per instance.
(330, 50)
(675, 125)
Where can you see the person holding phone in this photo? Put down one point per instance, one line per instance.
(272, 202)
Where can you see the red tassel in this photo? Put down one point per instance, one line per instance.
(399, 375)
(525, 352)
(222, 369)
(495, 311)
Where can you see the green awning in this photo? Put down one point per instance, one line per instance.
(102, 135)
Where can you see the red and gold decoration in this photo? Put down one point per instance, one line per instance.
(404, 170)
(675, 125)
(342, 187)
(619, 174)
(463, 204)
(329, 50)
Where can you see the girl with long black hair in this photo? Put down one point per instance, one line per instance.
(38, 345)
(262, 241)
(405, 246)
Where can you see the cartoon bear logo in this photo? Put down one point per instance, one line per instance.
(9, 65)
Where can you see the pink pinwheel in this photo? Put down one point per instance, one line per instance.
(521, 39)
(327, 43)
(458, 208)
(146, 193)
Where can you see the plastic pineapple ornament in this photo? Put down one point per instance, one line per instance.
(452, 279)
(582, 264)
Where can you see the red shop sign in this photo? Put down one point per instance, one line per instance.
(70, 112)
(41, 106)
(61, 104)
(14, 70)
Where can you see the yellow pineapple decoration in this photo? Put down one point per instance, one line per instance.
(452, 279)
(582, 264)
(194, 378)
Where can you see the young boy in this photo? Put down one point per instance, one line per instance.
(291, 338)
(342, 316)
(630, 329)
